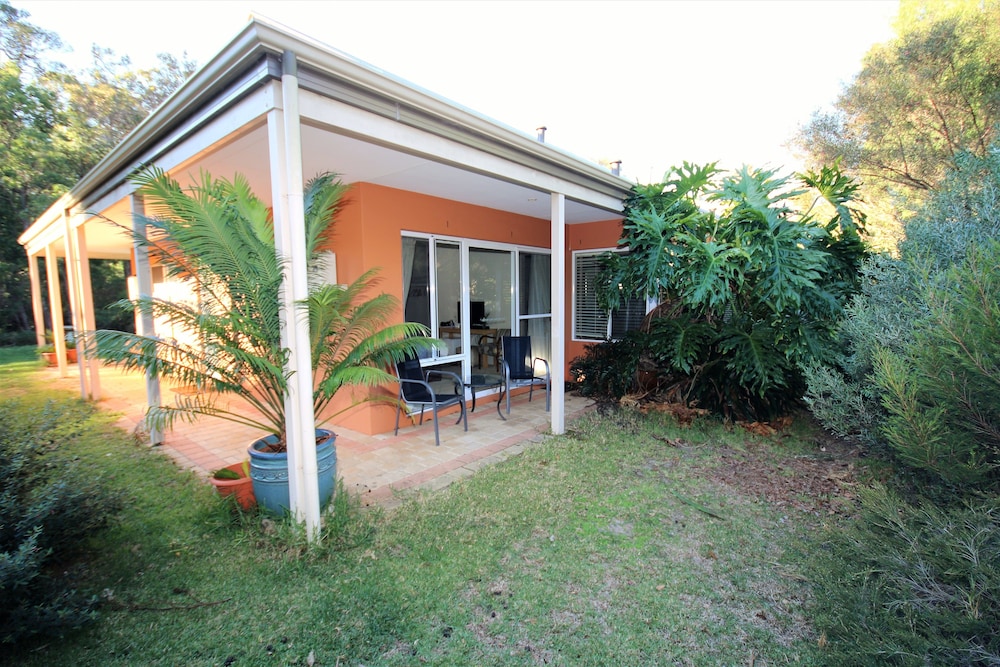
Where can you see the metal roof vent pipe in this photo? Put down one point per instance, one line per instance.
(541, 133)
(616, 168)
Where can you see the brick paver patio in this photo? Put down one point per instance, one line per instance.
(377, 467)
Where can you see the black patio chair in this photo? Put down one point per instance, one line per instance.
(415, 390)
(519, 368)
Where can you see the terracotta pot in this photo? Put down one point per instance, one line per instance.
(241, 488)
(50, 358)
(71, 355)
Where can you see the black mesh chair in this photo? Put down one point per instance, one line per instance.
(520, 368)
(415, 390)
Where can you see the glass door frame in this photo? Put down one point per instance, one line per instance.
(465, 245)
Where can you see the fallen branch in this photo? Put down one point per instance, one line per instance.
(131, 606)
(700, 508)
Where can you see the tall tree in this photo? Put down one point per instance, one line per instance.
(55, 125)
(920, 99)
(111, 97)
(22, 43)
(32, 168)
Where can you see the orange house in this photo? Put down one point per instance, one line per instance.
(476, 227)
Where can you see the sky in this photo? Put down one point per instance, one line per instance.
(649, 83)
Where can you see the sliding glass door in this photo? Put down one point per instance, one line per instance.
(491, 308)
(430, 294)
(475, 293)
(535, 301)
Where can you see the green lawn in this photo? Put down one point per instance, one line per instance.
(600, 547)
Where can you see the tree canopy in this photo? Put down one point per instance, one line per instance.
(920, 99)
(55, 125)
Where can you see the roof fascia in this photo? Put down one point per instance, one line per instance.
(330, 72)
(241, 54)
(334, 74)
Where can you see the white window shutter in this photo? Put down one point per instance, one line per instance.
(590, 322)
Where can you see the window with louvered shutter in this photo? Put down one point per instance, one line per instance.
(590, 321)
(628, 317)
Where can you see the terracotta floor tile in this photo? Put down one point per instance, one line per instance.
(376, 467)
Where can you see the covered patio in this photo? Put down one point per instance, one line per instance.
(376, 467)
(498, 215)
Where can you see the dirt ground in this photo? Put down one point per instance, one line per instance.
(819, 481)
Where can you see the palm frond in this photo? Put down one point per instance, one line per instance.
(323, 199)
(219, 236)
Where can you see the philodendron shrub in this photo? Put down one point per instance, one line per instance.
(48, 506)
(750, 270)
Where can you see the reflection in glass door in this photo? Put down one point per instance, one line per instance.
(448, 282)
(535, 301)
(434, 298)
(491, 287)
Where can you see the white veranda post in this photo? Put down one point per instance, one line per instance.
(144, 318)
(84, 317)
(285, 143)
(558, 347)
(55, 306)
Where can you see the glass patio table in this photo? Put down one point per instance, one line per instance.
(485, 381)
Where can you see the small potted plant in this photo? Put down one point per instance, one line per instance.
(234, 480)
(219, 236)
(48, 353)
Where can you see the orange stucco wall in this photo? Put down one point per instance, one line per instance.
(368, 234)
(588, 236)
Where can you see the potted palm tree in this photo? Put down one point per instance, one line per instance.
(217, 235)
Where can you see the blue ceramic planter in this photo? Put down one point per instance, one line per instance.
(269, 472)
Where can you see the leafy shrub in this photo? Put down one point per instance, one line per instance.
(607, 371)
(912, 585)
(48, 505)
(751, 291)
(840, 393)
(14, 338)
(942, 393)
(916, 578)
(891, 304)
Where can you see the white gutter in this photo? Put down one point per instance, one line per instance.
(327, 59)
(285, 138)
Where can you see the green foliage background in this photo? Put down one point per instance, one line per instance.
(915, 578)
(55, 125)
(932, 298)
